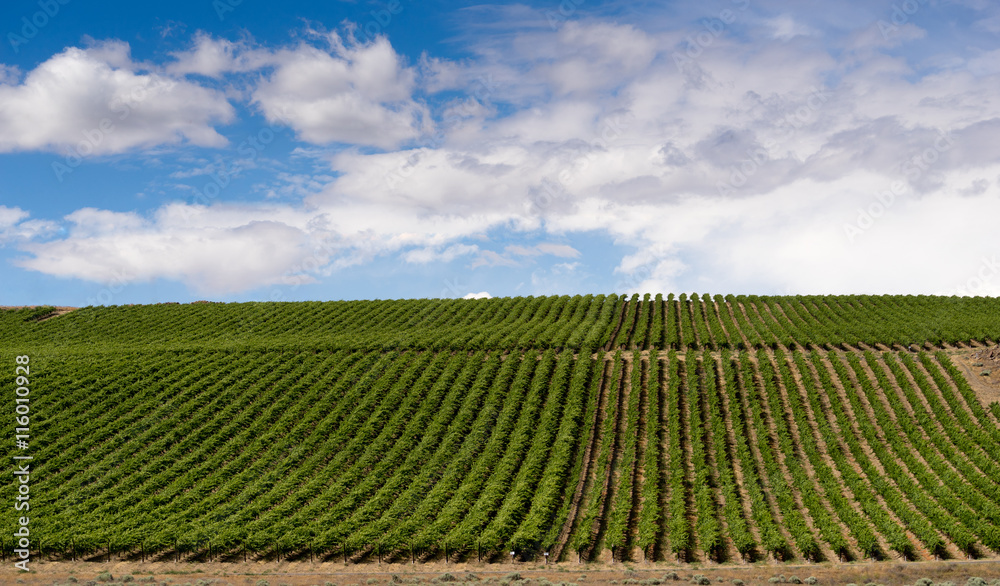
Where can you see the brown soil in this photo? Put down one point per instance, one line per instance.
(986, 387)
(59, 310)
(797, 435)
(838, 393)
(870, 413)
(812, 428)
(735, 462)
(589, 458)
(755, 443)
(305, 573)
(638, 476)
(729, 549)
(769, 418)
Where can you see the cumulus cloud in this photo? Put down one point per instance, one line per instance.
(357, 94)
(210, 57)
(772, 164)
(785, 27)
(97, 101)
(218, 251)
(16, 227)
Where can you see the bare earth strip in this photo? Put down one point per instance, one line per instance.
(779, 454)
(951, 548)
(824, 454)
(840, 395)
(308, 574)
(589, 456)
(806, 464)
(737, 467)
(730, 552)
(759, 461)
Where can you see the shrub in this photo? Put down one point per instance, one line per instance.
(447, 578)
(811, 580)
(794, 580)
(737, 582)
(105, 577)
(670, 576)
(974, 581)
(924, 582)
(701, 580)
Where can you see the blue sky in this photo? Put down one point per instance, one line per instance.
(246, 150)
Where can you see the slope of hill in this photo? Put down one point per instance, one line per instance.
(690, 428)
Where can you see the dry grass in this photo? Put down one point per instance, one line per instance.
(637, 574)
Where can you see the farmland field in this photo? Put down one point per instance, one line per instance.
(689, 429)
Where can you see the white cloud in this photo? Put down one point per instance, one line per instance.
(427, 255)
(359, 95)
(16, 227)
(9, 217)
(214, 250)
(92, 101)
(480, 295)
(209, 57)
(785, 28)
(9, 74)
(736, 172)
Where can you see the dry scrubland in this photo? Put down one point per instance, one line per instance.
(952, 573)
(735, 437)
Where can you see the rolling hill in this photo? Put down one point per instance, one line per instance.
(686, 428)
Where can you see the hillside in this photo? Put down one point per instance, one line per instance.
(691, 428)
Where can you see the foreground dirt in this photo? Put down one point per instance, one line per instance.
(981, 367)
(303, 573)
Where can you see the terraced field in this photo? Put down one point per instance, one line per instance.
(690, 429)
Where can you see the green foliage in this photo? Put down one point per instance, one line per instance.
(377, 428)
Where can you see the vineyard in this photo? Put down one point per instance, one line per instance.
(685, 429)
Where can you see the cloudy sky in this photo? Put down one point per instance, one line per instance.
(248, 150)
